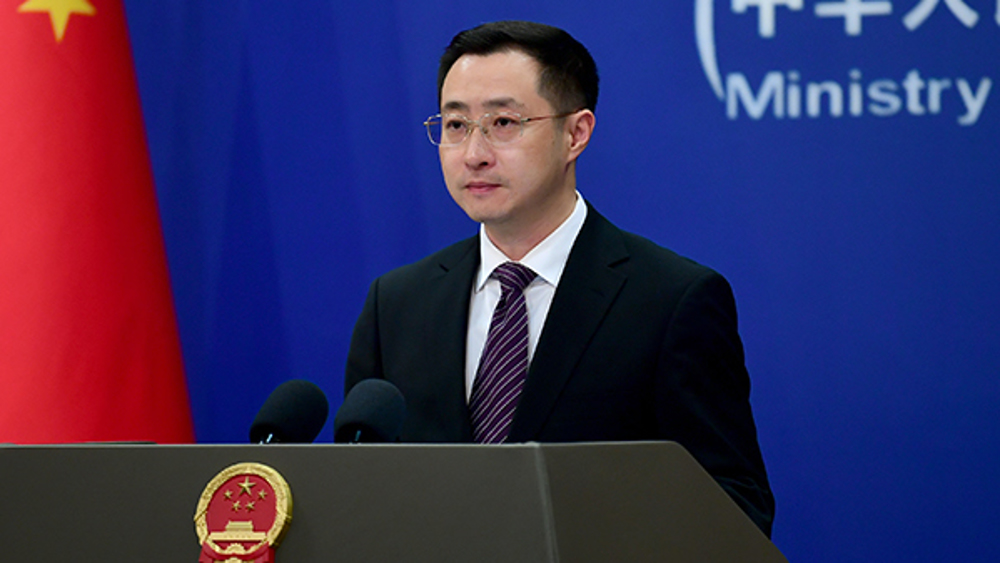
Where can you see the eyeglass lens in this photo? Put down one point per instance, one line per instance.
(453, 129)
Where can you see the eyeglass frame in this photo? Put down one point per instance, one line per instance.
(478, 124)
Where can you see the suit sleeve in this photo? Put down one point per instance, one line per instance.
(364, 356)
(704, 395)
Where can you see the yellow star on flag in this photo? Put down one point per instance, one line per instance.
(59, 12)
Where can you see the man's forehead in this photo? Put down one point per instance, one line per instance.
(497, 81)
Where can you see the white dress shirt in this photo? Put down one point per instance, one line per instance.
(547, 260)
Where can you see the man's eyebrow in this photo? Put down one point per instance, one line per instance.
(455, 106)
(503, 103)
(492, 104)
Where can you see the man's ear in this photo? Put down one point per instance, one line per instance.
(579, 128)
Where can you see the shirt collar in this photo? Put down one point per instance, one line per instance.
(547, 259)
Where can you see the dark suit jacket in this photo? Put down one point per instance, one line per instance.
(639, 344)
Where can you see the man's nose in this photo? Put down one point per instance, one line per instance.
(478, 151)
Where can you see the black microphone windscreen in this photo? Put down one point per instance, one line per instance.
(295, 412)
(373, 411)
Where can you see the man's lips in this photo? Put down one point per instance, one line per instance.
(481, 186)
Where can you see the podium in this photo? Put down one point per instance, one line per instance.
(523, 503)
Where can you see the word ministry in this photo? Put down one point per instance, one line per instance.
(789, 97)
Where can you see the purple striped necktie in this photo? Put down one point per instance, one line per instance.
(504, 363)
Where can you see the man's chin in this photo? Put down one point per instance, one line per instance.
(485, 218)
(483, 211)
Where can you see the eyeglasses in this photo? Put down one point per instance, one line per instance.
(498, 128)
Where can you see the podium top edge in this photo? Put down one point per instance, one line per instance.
(524, 445)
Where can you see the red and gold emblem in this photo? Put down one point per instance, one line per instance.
(242, 514)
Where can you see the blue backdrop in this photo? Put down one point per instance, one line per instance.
(836, 160)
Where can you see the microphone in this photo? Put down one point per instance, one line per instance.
(372, 412)
(295, 412)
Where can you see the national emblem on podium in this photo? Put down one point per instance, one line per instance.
(242, 514)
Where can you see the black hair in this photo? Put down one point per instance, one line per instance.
(568, 77)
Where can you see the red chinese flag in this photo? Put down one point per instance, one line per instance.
(88, 340)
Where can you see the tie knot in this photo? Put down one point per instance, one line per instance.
(514, 276)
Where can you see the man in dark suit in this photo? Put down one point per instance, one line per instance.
(612, 338)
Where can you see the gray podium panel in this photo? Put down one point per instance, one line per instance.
(633, 502)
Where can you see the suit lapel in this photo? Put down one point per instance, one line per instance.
(446, 306)
(586, 291)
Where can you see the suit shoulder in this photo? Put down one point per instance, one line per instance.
(638, 257)
(649, 256)
(441, 261)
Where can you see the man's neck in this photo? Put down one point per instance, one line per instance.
(516, 241)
